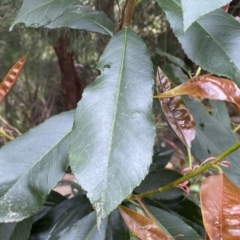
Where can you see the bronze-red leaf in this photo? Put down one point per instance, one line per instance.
(220, 205)
(176, 111)
(207, 86)
(11, 77)
(144, 228)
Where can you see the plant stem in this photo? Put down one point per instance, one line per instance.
(198, 71)
(189, 157)
(190, 174)
(4, 134)
(236, 128)
(128, 13)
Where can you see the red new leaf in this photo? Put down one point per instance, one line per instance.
(142, 227)
(11, 77)
(207, 86)
(220, 205)
(176, 111)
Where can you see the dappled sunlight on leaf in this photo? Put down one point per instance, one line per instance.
(176, 111)
(142, 227)
(11, 77)
(207, 86)
(220, 208)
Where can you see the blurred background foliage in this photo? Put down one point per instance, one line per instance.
(62, 62)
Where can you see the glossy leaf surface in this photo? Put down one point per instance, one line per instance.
(87, 228)
(220, 207)
(11, 77)
(84, 18)
(216, 32)
(16, 231)
(193, 10)
(32, 165)
(174, 225)
(220, 112)
(141, 226)
(213, 138)
(175, 110)
(117, 229)
(61, 218)
(177, 61)
(208, 86)
(109, 155)
(41, 12)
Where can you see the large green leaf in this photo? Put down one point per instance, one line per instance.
(173, 224)
(220, 112)
(193, 10)
(60, 218)
(32, 165)
(112, 141)
(177, 61)
(87, 228)
(211, 42)
(37, 13)
(213, 138)
(117, 228)
(16, 231)
(84, 18)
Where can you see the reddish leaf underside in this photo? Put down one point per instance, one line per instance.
(220, 205)
(207, 86)
(144, 228)
(176, 111)
(226, 7)
(11, 77)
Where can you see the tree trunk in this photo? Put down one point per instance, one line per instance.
(72, 86)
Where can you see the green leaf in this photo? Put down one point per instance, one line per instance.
(211, 42)
(61, 218)
(191, 217)
(173, 224)
(193, 10)
(109, 155)
(37, 13)
(84, 18)
(220, 112)
(175, 74)
(86, 228)
(212, 139)
(117, 229)
(31, 165)
(177, 61)
(16, 231)
(161, 157)
(159, 179)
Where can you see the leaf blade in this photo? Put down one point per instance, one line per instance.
(176, 111)
(84, 18)
(220, 203)
(116, 94)
(36, 170)
(142, 227)
(205, 37)
(11, 77)
(41, 12)
(194, 10)
(86, 228)
(208, 86)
